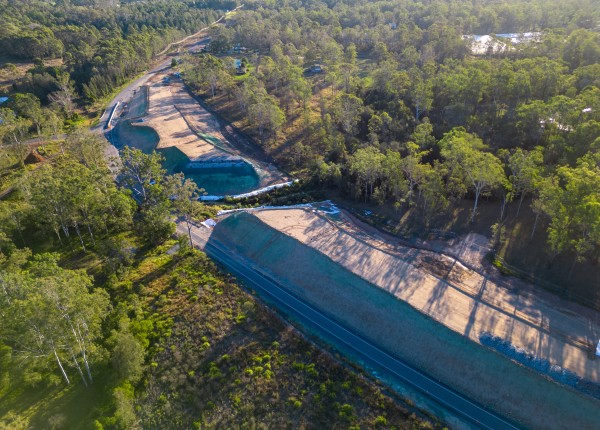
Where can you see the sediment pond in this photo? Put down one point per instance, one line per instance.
(220, 181)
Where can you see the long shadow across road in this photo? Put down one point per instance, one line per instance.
(363, 349)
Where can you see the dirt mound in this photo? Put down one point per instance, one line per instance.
(33, 158)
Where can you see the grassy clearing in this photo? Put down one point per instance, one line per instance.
(12, 70)
(55, 407)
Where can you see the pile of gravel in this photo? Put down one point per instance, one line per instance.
(540, 365)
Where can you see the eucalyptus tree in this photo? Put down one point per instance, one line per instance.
(367, 165)
(52, 313)
(13, 131)
(28, 106)
(525, 168)
(346, 110)
(66, 195)
(265, 114)
(88, 148)
(480, 171)
(414, 171)
(51, 206)
(571, 201)
(395, 182)
(423, 135)
(142, 172)
(433, 198)
(184, 194)
(421, 92)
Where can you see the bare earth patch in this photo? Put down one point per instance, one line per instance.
(182, 122)
(290, 254)
(463, 300)
(165, 115)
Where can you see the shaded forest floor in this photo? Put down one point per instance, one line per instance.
(55, 406)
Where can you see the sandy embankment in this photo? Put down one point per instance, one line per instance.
(167, 106)
(181, 122)
(462, 300)
(296, 261)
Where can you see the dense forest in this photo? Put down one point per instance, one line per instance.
(385, 106)
(101, 45)
(387, 102)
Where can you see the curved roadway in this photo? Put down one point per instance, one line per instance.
(361, 347)
(127, 93)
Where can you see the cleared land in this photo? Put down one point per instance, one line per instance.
(465, 301)
(181, 122)
(478, 372)
(12, 70)
(167, 107)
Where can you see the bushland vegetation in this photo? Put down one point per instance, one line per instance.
(384, 105)
(61, 60)
(109, 323)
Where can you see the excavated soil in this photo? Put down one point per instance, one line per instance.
(434, 322)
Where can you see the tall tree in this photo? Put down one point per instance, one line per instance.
(366, 164)
(184, 194)
(13, 130)
(142, 172)
(482, 171)
(525, 169)
(53, 313)
(347, 109)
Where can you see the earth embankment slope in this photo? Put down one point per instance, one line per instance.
(477, 372)
(466, 301)
(168, 105)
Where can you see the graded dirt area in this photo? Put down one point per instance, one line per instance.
(463, 300)
(295, 261)
(168, 105)
(182, 122)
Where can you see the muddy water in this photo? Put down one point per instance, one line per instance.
(216, 181)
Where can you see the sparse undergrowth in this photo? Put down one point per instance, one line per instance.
(231, 363)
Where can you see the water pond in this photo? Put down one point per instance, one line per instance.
(219, 181)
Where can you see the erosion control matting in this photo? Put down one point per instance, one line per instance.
(470, 368)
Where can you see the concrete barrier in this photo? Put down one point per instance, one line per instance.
(214, 164)
(112, 114)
